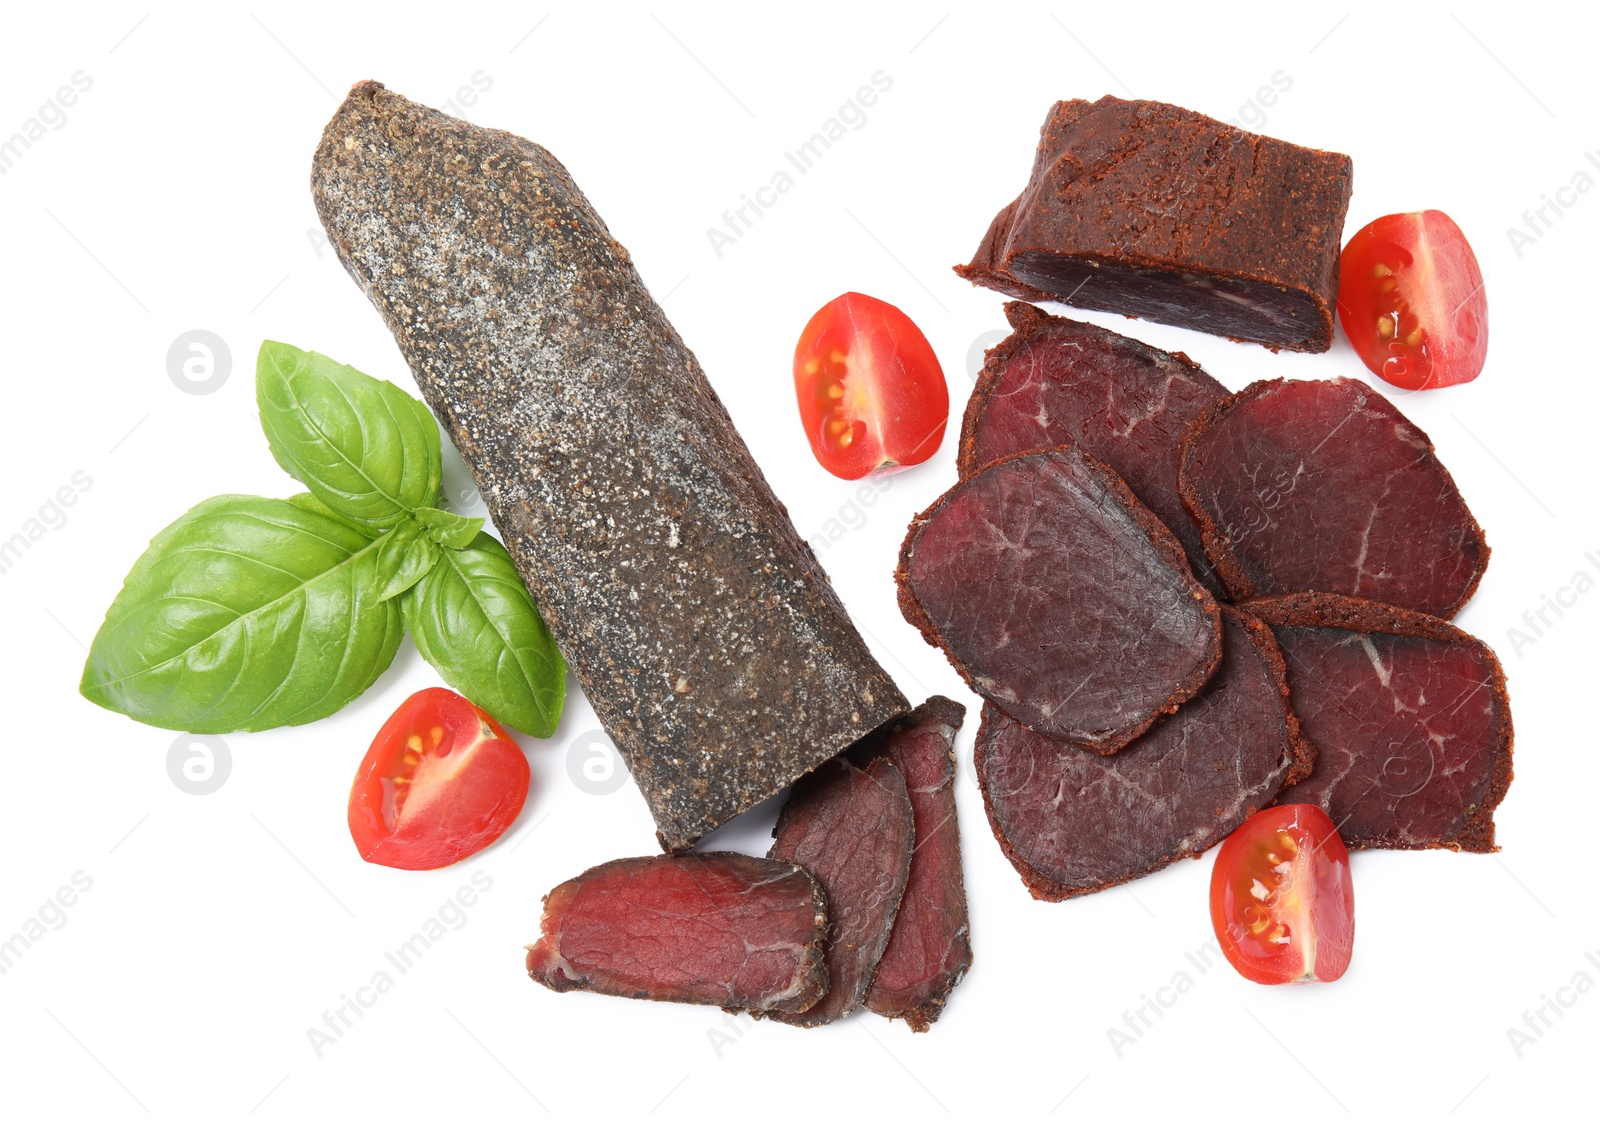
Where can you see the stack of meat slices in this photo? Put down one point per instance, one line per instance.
(1181, 606)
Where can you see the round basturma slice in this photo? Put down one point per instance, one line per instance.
(1073, 823)
(851, 827)
(1322, 485)
(1409, 715)
(1060, 598)
(721, 929)
(1055, 380)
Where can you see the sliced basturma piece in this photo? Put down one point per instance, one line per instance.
(1156, 211)
(1073, 823)
(1060, 598)
(698, 622)
(851, 827)
(931, 947)
(1410, 718)
(720, 929)
(1056, 381)
(1321, 485)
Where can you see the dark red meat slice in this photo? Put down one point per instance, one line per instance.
(1060, 598)
(1410, 718)
(722, 929)
(931, 947)
(1321, 485)
(1056, 381)
(1074, 823)
(851, 827)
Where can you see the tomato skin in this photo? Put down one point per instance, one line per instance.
(1282, 904)
(872, 394)
(442, 780)
(1411, 301)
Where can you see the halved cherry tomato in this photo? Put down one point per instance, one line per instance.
(441, 781)
(1281, 899)
(871, 391)
(1411, 300)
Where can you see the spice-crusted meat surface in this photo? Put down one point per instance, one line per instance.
(1156, 211)
(851, 827)
(699, 624)
(1060, 598)
(1056, 381)
(930, 949)
(720, 929)
(1073, 823)
(1410, 718)
(1322, 485)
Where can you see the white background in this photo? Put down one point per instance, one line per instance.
(220, 927)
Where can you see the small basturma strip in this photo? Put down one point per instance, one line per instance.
(699, 623)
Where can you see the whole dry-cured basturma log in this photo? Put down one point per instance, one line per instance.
(930, 950)
(1060, 598)
(698, 622)
(721, 929)
(851, 828)
(1409, 715)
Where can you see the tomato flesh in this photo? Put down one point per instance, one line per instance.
(872, 395)
(1281, 899)
(1411, 301)
(441, 781)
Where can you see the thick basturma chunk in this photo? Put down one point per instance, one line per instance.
(852, 829)
(1321, 485)
(1073, 823)
(1055, 381)
(1409, 716)
(1156, 211)
(698, 622)
(721, 929)
(1060, 598)
(931, 947)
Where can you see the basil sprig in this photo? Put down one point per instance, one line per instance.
(249, 613)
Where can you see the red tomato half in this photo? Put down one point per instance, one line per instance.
(871, 390)
(1411, 300)
(441, 781)
(1281, 899)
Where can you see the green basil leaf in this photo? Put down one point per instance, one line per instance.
(474, 621)
(405, 555)
(244, 613)
(447, 529)
(364, 448)
(310, 504)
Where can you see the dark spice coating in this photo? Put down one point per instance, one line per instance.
(851, 828)
(1072, 824)
(978, 595)
(716, 929)
(1156, 211)
(1324, 485)
(698, 622)
(930, 950)
(1377, 804)
(1056, 380)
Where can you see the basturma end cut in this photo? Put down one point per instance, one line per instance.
(1410, 718)
(1322, 485)
(1061, 599)
(1073, 823)
(851, 827)
(1155, 211)
(719, 929)
(930, 950)
(698, 622)
(1056, 381)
